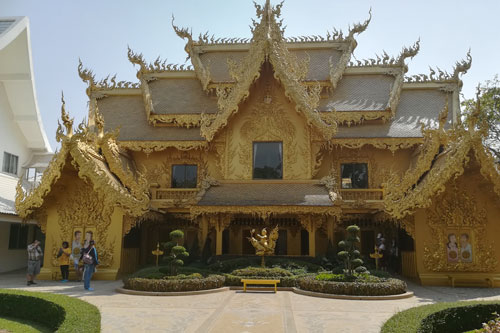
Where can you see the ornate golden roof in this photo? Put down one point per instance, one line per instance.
(443, 157)
(96, 157)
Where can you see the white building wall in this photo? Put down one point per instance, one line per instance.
(10, 260)
(12, 139)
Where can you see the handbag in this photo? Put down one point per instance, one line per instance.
(87, 259)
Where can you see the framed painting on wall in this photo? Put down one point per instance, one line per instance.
(459, 246)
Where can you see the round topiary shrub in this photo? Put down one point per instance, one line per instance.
(459, 319)
(57, 312)
(443, 317)
(368, 287)
(176, 283)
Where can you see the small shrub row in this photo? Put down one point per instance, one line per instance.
(442, 317)
(363, 277)
(262, 272)
(285, 281)
(386, 287)
(57, 312)
(173, 284)
(227, 266)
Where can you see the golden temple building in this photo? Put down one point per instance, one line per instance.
(274, 130)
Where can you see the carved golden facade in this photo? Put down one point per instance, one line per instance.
(327, 114)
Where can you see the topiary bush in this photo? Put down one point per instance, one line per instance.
(442, 317)
(357, 288)
(175, 251)
(57, 312)
(175, 284)
(351, 255)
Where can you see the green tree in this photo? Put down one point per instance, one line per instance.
(487, 102)
(350, 253)
(175, 252)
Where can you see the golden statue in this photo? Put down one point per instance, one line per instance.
(265, 244)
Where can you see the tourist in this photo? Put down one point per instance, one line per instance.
(76, 253)
(89, 257)
(34, 256)
(63, 256)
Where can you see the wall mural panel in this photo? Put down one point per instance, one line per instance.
(83, 209)
(459, 242)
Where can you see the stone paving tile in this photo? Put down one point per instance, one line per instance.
(235, 311)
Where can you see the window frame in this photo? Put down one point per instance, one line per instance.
(185, 172)
(253, 159)
(368, 174)
(7, 163)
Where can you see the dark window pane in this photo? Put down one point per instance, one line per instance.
(14, 236)
(354, 175)
(190, 180)
(18, 238)
(184, 176)
(10, 163)
(268, 160)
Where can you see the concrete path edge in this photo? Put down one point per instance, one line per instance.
(173, 293)
(408, 294)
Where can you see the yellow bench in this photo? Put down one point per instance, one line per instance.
(258, 281)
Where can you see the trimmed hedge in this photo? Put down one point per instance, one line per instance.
(285, 281)
(229, 265)
(172, 284)
(383, 288)
(262, 272)
(57, 312)
(442, 317)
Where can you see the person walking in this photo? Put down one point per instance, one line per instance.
(89, 257)
(63, 257)
(34, 256)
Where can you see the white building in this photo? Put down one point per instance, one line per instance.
(24, 148)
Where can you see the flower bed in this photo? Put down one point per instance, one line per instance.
(442, 317)
(57, 312)
(175, 283)
(363, 286)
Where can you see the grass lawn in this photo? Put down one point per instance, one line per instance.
(16, 325)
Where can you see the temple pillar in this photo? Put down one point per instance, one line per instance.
(219, 222)
(218, 241)
(203, 231)
(311, 223)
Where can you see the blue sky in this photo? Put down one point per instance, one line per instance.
(99, 31)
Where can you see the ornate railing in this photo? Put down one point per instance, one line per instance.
(175, 196)
(372, 194)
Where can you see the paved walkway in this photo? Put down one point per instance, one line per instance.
(235, 311)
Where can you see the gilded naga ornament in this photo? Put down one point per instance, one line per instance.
(264, 244)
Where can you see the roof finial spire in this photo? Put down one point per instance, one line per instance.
(67, 122)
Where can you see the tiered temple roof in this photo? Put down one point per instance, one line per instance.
(343, 99)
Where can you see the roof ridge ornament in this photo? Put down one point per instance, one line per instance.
(462, 66)
(67, 122)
